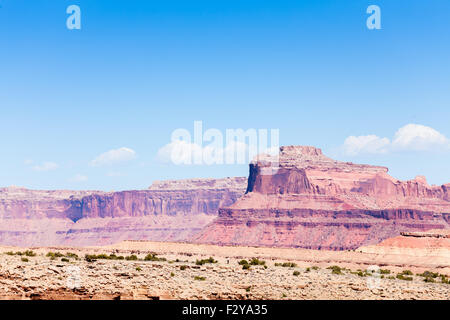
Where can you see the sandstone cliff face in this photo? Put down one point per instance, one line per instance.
(171, 210)
(312, 201)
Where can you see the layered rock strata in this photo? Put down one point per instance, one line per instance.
(305, 199)
(170, 210)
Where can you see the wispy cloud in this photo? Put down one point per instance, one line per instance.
(114, 156)
(182, 152)
(46, 166)
(411, 137)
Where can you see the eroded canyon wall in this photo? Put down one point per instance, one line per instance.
(168, 210)
(305, 199)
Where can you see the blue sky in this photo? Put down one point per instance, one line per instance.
(138, 70)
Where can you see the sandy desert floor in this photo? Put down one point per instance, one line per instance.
(175, 271)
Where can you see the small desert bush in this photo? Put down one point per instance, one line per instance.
(335, 269)
(183, 267)
(204, 261)
(296, 273)
(153, 257)
(401, 276)
(199, 278)
(28, 253)
(24, 259)
(138, 269)
(103, 256)
(54, 254)
(243, 262)
(407, 273)
(429, 274)
(65, 260)
(246, 267)
(72, 255)
(257, 262)
(429, 279)
(444, 279)
(286, 265)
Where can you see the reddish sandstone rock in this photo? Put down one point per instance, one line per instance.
(171, 210)
(312, 201)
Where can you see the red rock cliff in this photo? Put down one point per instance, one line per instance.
(169, 210)
(308, 200)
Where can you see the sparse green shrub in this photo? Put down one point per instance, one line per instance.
(401, 276)
(71, 255)
(296, 273)
(407, 273)
(429, 274)
(243, 262)
(429, 279)
(335, 269)
(54, 255)
(172, 274)
(153, 257)
(286, 265)
(24, 259)
(29, 253)
(444, 279)
(246, 267)
(257, 262)
(183, 267)
(308, 270)
(385, 271)
(315, 267)
(131, 258)
(138, 269)
(204, 261)
(65, 260)
(199, 278)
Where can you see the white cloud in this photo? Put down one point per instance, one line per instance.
(370, 144)
(411, 137)
(78, 178)
(114, 156)
(419, 137)
(182, 152)
(178, 152)
(46, 166)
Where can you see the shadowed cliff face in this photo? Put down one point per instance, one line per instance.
(171, 210)
(312, 201)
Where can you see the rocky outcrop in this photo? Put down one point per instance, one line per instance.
(171, 210)
(305, 199)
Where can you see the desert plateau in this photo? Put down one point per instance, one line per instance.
(302, 227)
